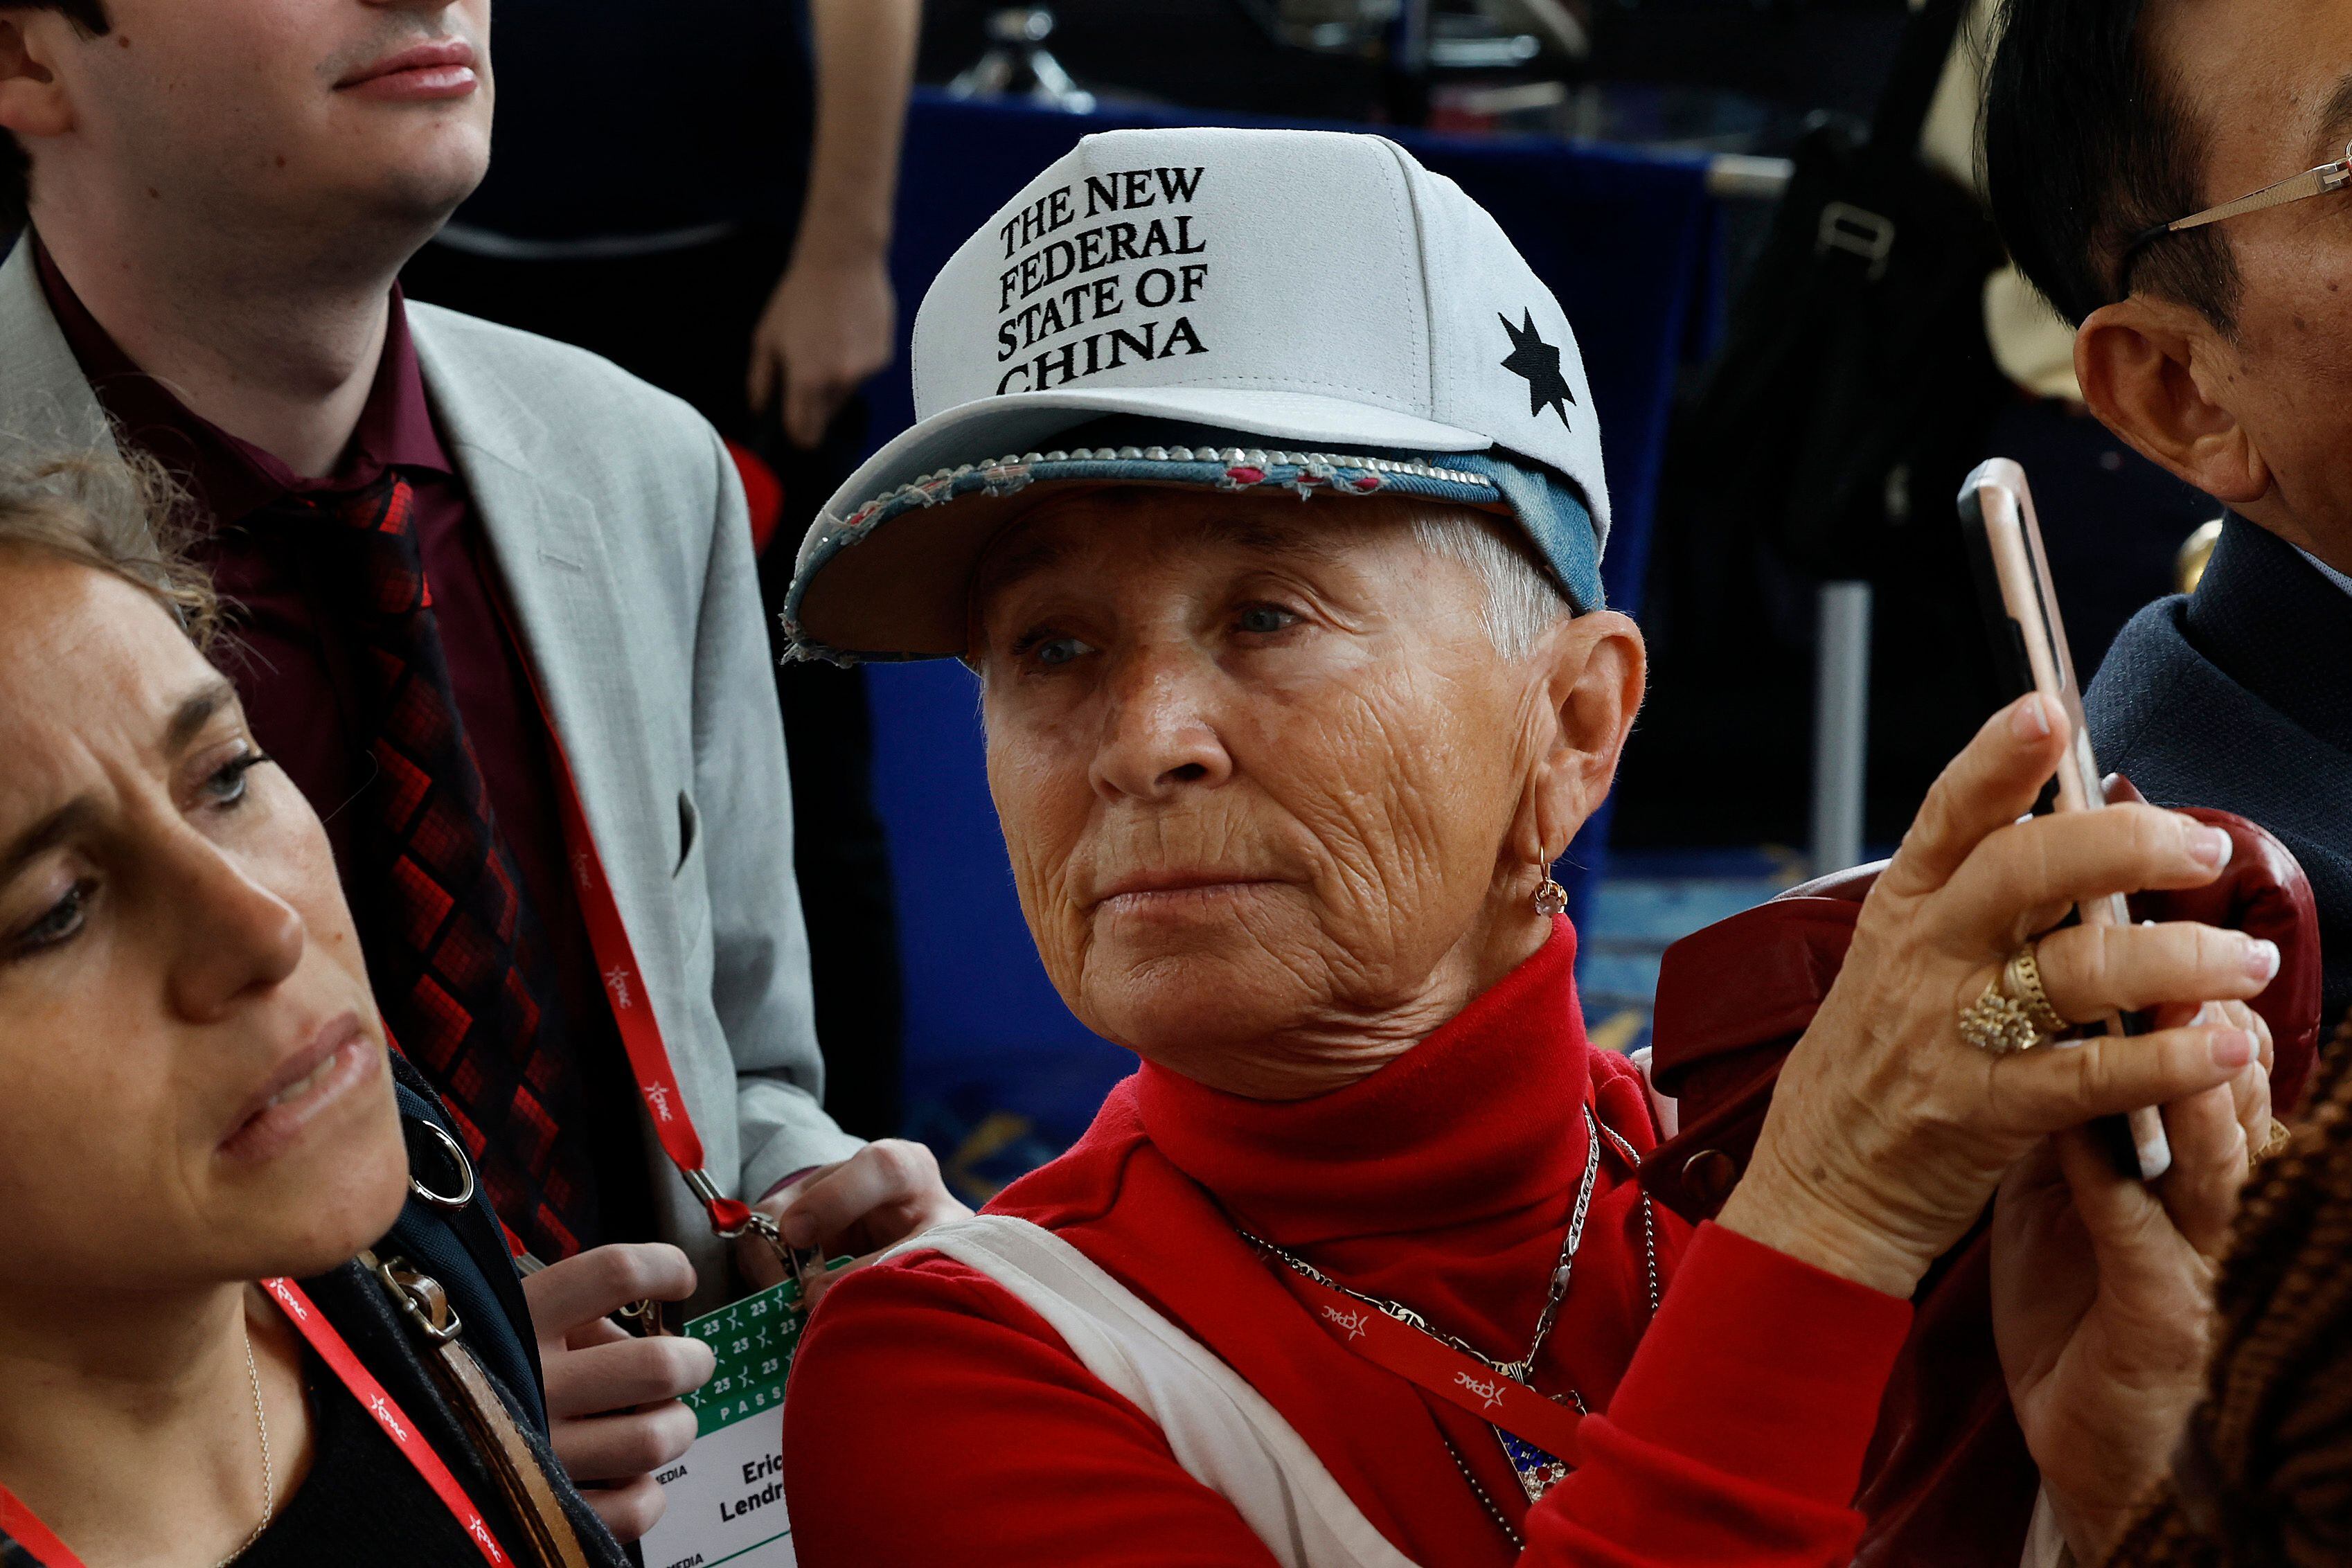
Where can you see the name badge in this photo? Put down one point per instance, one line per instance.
(726, 1498)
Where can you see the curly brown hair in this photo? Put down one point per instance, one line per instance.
(16, 168)
(2264, 1476)
(115, 514)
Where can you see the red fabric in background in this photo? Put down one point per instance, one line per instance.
(763, 492)
(934, 1419)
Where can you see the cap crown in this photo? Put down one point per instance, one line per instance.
(1328, 267)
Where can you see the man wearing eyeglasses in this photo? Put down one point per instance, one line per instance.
(2175, 174)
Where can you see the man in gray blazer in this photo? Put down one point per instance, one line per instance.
(473, 563)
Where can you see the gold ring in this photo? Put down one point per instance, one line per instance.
(2013, 1013)
(2021, 978)
(1996, 1024)
(2275, 1142)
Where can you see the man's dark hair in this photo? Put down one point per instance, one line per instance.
(16, 169)
(2089, 143)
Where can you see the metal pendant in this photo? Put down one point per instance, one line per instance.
(1537, 1471)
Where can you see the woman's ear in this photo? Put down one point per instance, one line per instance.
(32, 99)
(2149, 369)
(1594, 667)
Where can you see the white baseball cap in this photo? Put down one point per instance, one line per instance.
(1319, 290)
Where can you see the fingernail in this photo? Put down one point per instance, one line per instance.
(2261, 959)
(2232, 1049)
(2030, 721)
(2211, 1013)
(2208, 846)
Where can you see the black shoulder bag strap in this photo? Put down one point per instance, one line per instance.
(1895, 128)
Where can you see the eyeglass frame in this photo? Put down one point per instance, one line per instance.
(2316, 181)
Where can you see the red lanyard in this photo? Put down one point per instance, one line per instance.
(1442, 1370)
(624, 987)
(313, 1327)
(641, 1037)
(18, 1523)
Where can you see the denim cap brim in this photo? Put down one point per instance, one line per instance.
(893, 581)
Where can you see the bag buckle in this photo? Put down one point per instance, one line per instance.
(419, 1297)
(1857, 231)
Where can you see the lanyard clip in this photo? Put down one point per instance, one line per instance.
(731, 1219)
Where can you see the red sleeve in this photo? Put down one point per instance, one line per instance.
(934, 1419)
(1739, 1433)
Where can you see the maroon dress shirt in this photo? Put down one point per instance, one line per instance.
(292, 667)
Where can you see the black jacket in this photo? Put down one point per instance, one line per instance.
(2240, 697)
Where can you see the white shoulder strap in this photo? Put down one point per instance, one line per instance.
(1221, 1429)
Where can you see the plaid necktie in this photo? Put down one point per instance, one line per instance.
(459, 965)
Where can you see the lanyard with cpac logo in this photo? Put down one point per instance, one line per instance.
(624, 988)
(18, 1525)
(1485, 1389)
(1538, 1434)
(320, 1334)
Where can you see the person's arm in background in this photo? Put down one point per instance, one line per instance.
(834, 320)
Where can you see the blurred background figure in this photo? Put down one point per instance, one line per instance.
(711, 209)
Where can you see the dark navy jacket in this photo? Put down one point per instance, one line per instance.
(466, 1251)
(2240, 697)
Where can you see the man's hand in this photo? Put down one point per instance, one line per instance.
(2102, 1295)
(612, 1405)
(863, 1205)
(828, 327)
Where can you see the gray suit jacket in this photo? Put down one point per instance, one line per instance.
(618, 526)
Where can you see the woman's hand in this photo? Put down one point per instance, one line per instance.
(865, 1204)
(1888, 1132)
(2102, 1296)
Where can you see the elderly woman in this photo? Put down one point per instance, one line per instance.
(1297, 681)
(197, 1127)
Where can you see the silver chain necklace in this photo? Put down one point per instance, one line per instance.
(269, 1477)
(1537, 1470)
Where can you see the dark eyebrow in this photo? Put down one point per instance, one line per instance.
(45, 835)
(1003, 569)
(188, 722)
(195, 712)
(2335, 125)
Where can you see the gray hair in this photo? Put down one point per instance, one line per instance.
(1522, 602)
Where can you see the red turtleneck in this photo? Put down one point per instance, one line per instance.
(935, 1419)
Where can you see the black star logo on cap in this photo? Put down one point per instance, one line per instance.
(1538, 361)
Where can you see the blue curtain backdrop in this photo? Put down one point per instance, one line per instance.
(999, 1074)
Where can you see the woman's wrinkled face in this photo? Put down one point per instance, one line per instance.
(192, 1082)
(1259, 767)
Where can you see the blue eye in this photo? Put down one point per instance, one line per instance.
(1263, 620)
(1055, 651)
(60, 922)
(226, 787)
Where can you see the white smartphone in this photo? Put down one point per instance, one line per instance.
(2029, 650)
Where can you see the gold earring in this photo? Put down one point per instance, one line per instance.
(1551, 899)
